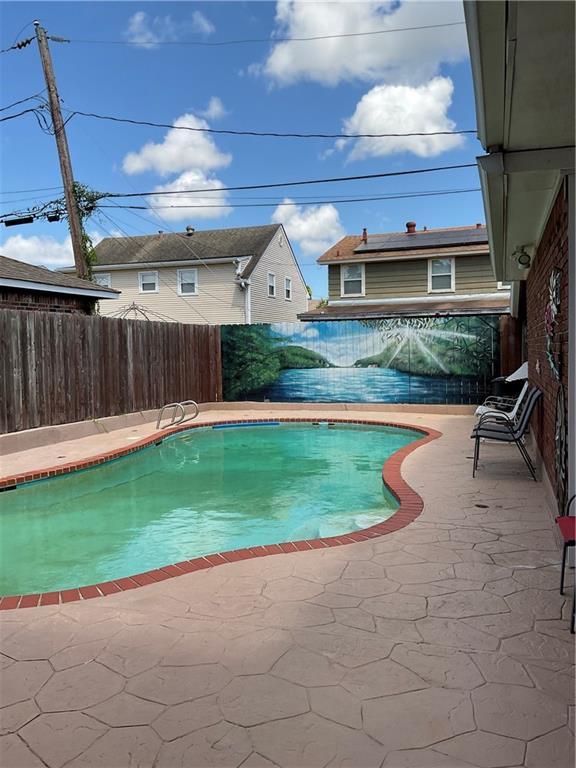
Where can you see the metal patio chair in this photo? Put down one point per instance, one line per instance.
(567, 525)
(498, 427)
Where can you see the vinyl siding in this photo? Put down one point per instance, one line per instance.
(219, 299)
(280, 260)
(474, 275)
(387, 280)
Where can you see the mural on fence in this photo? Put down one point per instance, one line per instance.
(398, 360)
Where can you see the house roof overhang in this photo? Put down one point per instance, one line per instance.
(522, 57)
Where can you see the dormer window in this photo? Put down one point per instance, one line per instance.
(352, 279)
(441, 276)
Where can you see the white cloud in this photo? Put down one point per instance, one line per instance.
(148, 31)
(201, 24)
(180, 151)
(194, 179)
(214, 110)
(315, 229)
(403, 109)
(41, 250)
(407, 57)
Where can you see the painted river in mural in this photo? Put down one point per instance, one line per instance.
(394, 360)
(369, 385)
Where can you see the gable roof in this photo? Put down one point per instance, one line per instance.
(202, 245)
(402, 245)
(19, 274)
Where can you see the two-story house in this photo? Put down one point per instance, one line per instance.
(418, 272)
(218, 276)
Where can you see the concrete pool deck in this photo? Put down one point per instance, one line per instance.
(442, 645)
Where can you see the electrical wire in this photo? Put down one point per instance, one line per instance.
(276, 185)
(18, 114)
(22, 191)
(272, 134)
(301, 203)
(269, 40)
(21, 101)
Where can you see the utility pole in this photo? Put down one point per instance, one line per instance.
(63, 153)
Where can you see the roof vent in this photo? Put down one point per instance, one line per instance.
(190, 231)
(410, 227)
(364, 235)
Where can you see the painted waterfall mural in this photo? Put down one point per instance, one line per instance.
(399, 360)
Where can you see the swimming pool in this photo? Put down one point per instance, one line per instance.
(205, 490)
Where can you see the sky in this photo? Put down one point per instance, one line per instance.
(236, 66)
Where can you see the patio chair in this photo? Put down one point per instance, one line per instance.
(496, 426)
(567, 525)
(509, 407)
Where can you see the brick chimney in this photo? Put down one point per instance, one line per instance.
(478, 225)
(364, 235)
(411, 227)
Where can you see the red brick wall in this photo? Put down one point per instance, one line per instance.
(14, 298)
(552, 252)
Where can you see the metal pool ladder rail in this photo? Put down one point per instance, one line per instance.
(179, 414)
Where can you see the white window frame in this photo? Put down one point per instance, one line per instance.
(271, 284)
(343, 280)
(452, 275)
(106, 278)
(148, 272)
(287, 289)
(179, 278)
(504, 285)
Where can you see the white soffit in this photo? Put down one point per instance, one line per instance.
(522, 57)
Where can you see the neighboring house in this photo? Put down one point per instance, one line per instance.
(25, 286)
(522, 57)
(416, 272)
(241, 275)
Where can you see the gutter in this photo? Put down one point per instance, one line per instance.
(29, 285)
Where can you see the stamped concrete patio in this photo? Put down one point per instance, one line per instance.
(443, 645)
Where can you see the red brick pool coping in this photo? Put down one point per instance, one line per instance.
(410, 507)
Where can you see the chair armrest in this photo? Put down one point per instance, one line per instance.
(499, 401)
(495, 418)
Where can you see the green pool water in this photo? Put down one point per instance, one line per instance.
(207, 490)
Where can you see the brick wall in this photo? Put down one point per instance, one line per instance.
(14, 298)
(552, 252)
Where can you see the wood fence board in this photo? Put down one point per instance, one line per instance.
(57, 368)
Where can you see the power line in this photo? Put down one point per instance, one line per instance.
(276, 185)
(272, 134)
(302, 203)
(21, 191)
(18, 114)
(21, 101)
(269, 40)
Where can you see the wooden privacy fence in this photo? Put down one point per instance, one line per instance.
(59, 368)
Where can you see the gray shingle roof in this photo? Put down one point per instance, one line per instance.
(178, 246)
(12, 269)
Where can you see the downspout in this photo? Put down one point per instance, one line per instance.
(247, 301)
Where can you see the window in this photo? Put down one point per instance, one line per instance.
(104, 279)
(352, 280)
(187, 282)
(504, 285)
(148, 282)
(440, 275)
(288, 289)
(271, 285)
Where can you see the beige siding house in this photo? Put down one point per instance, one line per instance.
(219, 276)
(416, 272)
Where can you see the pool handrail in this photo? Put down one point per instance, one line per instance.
(182, 417)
